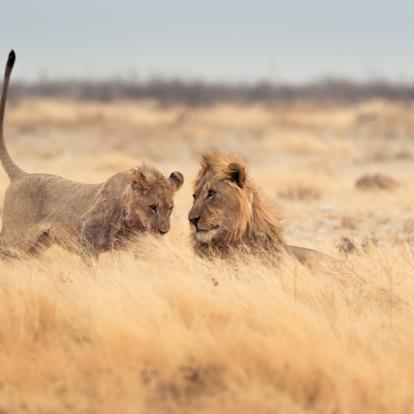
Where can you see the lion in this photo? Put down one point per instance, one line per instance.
(229, 213)
(44, 209)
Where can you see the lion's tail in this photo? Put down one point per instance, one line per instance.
(12, 170)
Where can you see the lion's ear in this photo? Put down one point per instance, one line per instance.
(237, 173)
(177, 179)
(138, 178)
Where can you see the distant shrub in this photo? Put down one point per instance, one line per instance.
(376, 182)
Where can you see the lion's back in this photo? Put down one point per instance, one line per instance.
(38, 197)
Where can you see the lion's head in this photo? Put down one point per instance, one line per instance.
(136, 201)
(148, 200)
(228, 209)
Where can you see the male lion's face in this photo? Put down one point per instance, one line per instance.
(221, 205)
(149, 202)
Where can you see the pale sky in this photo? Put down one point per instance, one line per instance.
(292, 41)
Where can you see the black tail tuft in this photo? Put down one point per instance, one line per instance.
(11, 59)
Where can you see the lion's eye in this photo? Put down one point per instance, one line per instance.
(194, 196)
(153, 207)
(211, 193)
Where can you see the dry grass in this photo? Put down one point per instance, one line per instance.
(155, 329)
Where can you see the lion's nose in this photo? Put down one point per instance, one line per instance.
(162, 231)
(194, 220)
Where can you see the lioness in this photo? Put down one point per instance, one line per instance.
(229, 212)
(42, 209)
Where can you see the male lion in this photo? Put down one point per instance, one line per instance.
(230, 213)
(42, 209)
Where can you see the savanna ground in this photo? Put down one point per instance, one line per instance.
(155, 329)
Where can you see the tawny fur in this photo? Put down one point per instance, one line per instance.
(230, 213)
(42, 209)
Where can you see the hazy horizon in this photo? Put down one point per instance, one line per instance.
(235, 41)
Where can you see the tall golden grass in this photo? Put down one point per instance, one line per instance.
(155, 329)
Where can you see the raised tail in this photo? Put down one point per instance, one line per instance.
(12, 170)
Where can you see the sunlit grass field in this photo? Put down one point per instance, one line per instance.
(155, 329)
